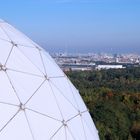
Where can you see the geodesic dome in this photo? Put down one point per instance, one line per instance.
(37, 100)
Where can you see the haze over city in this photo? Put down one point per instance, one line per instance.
(111, 26)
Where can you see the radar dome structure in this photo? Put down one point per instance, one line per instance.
(37, 100)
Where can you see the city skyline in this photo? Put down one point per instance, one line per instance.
(78, 25)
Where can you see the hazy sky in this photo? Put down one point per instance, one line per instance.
(77, 25)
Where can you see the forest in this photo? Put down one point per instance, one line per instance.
(113, 98)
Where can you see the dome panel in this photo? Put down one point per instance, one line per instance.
(5, 49)
(42, 127)
(69, 135)
(7, 112)
(17, 129)
(52, 69)
(77, 131)
(66, 107)
(43, 101)
(88, 132)
(60, 134)
(23, 88)
(19, 62)
(16, 36)
(3, 35)
(7, 93)
(89, 124)
(34, 55)
(64, 89)
(37, 100)
(81, 105)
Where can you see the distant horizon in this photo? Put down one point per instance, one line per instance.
(77, 25)
(86, 51)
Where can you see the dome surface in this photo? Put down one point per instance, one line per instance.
(37, 100)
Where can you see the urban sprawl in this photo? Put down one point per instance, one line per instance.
(92, 61)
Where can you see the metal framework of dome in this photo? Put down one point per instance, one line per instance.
(37, 100)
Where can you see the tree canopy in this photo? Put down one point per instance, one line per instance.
(113, 98)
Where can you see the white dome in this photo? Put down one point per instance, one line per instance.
(37, 100)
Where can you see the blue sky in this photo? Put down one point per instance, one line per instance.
(77, 25)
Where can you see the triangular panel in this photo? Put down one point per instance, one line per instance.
(67, 109)
(7, 93)
(42, 127)
(44, 102)
(77, 131)
(16, 36)
(3, 35)
(59, 134)
(5, 48)
(65, 89)
(81, 105)
(6, 113)
(88, 122)
(17, 61)
(52, 69)
(25, 84)
(34, 55)
(17, 129)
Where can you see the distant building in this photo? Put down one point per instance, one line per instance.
(117, 60)
(77, 69)
(99, 67)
